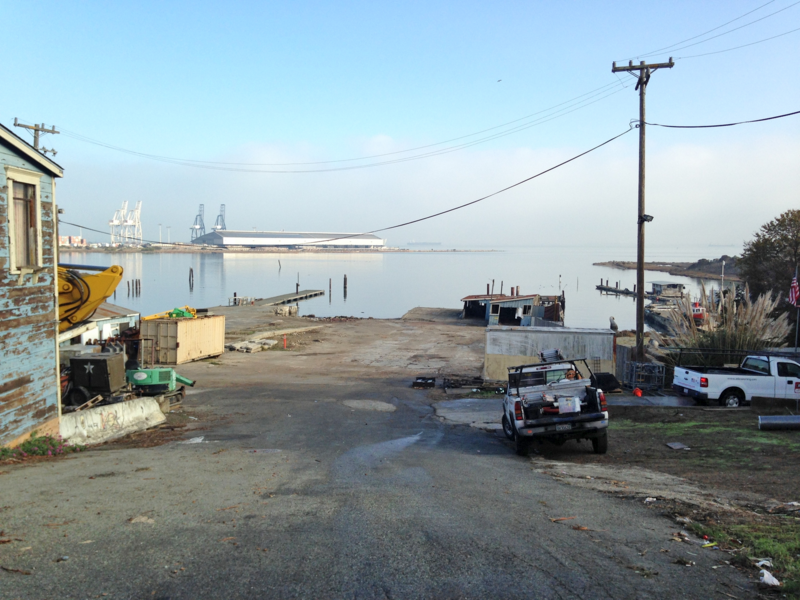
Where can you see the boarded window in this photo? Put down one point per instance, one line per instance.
(24, 226)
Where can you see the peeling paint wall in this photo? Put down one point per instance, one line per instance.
(28, 328)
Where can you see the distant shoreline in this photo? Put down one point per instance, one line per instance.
(189, 249)
(673, 268)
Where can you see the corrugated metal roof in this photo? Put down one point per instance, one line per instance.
(111, 311)
(483, 297)
(500, 298)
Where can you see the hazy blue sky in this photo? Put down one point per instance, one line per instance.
(315, 81)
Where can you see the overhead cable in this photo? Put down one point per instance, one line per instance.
(438, 214)
(679, 47)
(742, 46)
(572, 106)
(666, 48)
(505, 189)
(129, 237)
(797, 112)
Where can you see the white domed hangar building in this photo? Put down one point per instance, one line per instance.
(229, 238)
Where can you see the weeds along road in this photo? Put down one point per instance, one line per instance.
(322, 475)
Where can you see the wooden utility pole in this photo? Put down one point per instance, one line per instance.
(645, 71)
(37, 129)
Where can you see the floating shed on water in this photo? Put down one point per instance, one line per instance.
(499, 309)
(667, 289)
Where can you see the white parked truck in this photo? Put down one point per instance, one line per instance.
(757, 377)
(554, 401)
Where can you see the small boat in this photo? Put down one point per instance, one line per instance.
(699, 313)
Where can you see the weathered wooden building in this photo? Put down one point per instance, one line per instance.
(532, 310)
(29, 376)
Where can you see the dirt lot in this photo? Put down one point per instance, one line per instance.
(727, 450)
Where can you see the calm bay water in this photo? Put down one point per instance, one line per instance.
(388, 285)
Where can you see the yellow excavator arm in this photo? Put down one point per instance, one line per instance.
(80, 294)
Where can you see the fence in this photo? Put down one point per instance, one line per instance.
(645, 376)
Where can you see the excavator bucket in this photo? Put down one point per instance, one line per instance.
(80, 294)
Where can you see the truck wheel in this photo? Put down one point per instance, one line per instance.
(731, 398)
(522, 445)
(600, 444)
(507, 429)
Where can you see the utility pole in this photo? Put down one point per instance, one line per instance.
(645, 71)
(37, 129)
(159, 234)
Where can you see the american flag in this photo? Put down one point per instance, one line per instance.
(794, 292)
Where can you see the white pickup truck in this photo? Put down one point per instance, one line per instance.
(554, 401)
(756, 377)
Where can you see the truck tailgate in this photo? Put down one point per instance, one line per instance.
(687, 379)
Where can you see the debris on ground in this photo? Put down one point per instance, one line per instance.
(678, 446)
(141, 519)
(10, 570)
(768, 579)
(643, 571)
(764, 562)
(684, 562)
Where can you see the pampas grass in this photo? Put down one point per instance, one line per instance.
(730, 327)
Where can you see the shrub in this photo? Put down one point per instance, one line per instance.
(732, 327)
(40, 445)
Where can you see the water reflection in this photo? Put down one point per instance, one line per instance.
(382, 285)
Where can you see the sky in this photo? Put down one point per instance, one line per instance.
(252, 84)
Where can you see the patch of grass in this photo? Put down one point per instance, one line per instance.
(39, 445)
(744, 433)
(778, 539)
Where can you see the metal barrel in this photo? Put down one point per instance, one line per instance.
(779, 422)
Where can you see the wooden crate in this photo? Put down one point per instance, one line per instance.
(178, 341)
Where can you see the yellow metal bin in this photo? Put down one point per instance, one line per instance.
(178, 341)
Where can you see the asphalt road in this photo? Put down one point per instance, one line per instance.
(293, 493)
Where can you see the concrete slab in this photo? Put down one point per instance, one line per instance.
(481, 413)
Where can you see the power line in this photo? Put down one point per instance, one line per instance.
(129, 237)
(438, 214)
(567, 107)
(713, 37)
(505, 189)
(797, 112)
(673, 47)
(592, 93)
(742, 46)
(665, 48)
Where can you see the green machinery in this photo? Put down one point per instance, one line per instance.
(157, 381)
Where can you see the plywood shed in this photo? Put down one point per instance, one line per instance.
(178, 341)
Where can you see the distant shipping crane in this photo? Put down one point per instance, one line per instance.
(219, 224)
(198, 228)
(116, 223)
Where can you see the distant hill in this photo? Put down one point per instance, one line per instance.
(702, 269)
(714, 266)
